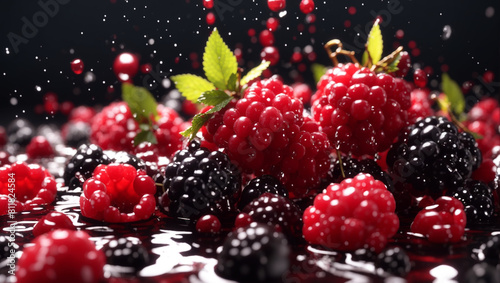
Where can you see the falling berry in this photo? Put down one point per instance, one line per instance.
(306, 6)
(210, 18)
(77, 66)
(420, 78)
(271, 54)
(146, 68)
(272, 24)
(209, 4)
(266, 38)
(276, 5)
(126, 66)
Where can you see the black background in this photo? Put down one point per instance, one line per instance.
(97, 30)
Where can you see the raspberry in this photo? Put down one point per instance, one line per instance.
(34, 186)
(420, 78)
(260, 185)
(254, 254)
(82, 164)
(5, 158)
(76, 133)
(126, 252)
(39, 147)
(82, 114)
(478, 201)
(208, 224)
(277, 211)
(404, 65)
(115, 128)
(20, 132)
(356, 213)
(118, 193)
(61, 256)
(52, 221)
(199, 182)
(486, 171)
(420, 105)
(394, 261)
(361, 112)
(432, 157)
(265, 133)
(441, 223)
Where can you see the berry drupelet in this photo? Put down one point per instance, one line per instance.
(82, 164)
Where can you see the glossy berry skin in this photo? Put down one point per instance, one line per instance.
(77, 66)
(127, 253)
(255, 253)
(199, 182)
(126, 66)
(118, 193)
(266, 132)
(33, 185)
(208, 224)
(420, 78)
(210, 18)
(276, 5)
(276, 211)
(266, 38)
(271, 54)
(61, 256)
(421, 105)
(81, 166)
(394, 261)
(52, 221)
(357, 213)
(404, 65)
(114, 128)
(306, 6)
(443, 222)
(478, 201)
(260, 185)
(433, 156)
(361, 112)
(39, 147)
(272, 24)
(209, 4)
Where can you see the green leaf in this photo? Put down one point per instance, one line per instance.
(476, 135)
(219, 63)
(192, 86)
(393, 67)
(453, 93)
(231, 84)
(255, 72)
(141, 102)
(318, 71)
(374, 45)
(213, 97)
(200, 119)
(145, 136)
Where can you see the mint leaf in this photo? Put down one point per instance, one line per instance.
(318, 71)
(393, 66)
(213, 97)
(231, 84)
(374, 45)
(191, 86)
(200, 119)
(219, 63)
(141, 102)
(453, 93)
(255, 72)
(145, 136)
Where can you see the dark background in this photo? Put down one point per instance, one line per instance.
(97, 30)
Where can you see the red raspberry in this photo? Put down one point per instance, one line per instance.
(360, 111)
(356, 213)
(420, 106)
(404, 65)
(420, 78)
(115, 128)
(39, 147)
(208, 224)
(443, 222)
(265, 133)
(82, 114)
(118, 193)
(52, 221)
(61, 256)
(32, 185)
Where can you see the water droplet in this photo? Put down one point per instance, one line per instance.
(89, 77)
(490, 11)
(446, 32)
(38, 88)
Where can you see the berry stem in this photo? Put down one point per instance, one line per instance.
(339, 156)
(333, 55)
(387, 60)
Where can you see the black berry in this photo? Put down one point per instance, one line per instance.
(82, 164)
(394, 261)
(124, 252)
(256, 187)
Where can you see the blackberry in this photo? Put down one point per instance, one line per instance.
(256, 187)
(394, 261)
(482, 273)
(81, 166)
(478, 201)
(76, 134)
(127, 253)
(353, 167)
(278, 211)
(199, 182)
(20, 132)
(433, 156)
(491, 250)
(255, 253)
(123, 157)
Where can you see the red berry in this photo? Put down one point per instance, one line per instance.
(67, 107)
(404, 65)
(272, 24)
(77, 66)
(126, 66)
(61, 256)
(208, 224)
(420, 78)
(306, 6)
(210, 18)
(276, 5)
(39, 147)
(266, 38)
(209, 4)
(486, 172)
(271, 54)
(52, 221)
